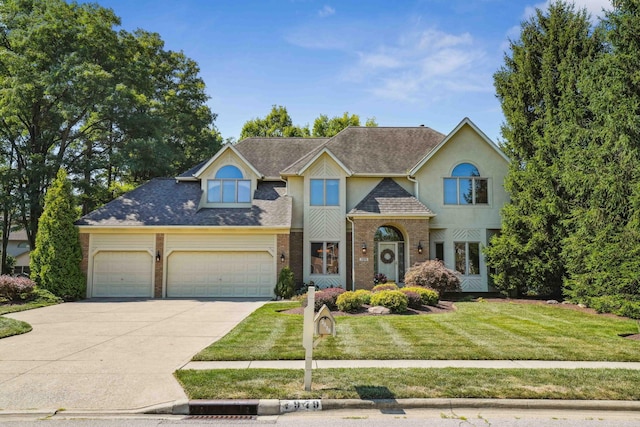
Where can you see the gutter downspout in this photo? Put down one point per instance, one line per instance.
(416, 186)
(353, 254)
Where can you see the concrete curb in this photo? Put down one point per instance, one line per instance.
(275, 407)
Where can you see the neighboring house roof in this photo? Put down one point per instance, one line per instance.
(376, 150)
(389, 198)
(272, 155)
(167, 202)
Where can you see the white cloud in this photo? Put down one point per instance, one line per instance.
(426, 64)
(593, 7)
(326, 11)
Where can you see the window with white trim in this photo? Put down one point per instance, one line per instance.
(466, 187)
(467, 258)
(325, 192)
(325, 258)
(229, 186)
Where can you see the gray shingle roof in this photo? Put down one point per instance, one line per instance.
(389, 198)
(377, 150)
(165, 202)
(271, 155)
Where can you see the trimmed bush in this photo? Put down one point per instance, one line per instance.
(385, 287)
(326, 296)
(379, 279)
(364, 295)
(286, 287)
(427, 296)
(394, 300)
(349, 302)
(16, 288)
(433, 274)
(413, 298)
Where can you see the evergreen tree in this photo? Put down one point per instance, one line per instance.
(544, 112)
(603, 251)
(55, 262)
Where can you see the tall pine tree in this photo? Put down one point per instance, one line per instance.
(55, 262)
(544, 112)
(603, 250)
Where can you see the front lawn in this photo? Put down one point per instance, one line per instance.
(477, 330)
(587, 384)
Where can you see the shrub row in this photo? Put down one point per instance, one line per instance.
(16, 288)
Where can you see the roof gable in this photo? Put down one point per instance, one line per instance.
(225, 150)
(465, 122)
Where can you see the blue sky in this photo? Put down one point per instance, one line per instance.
(404, 62)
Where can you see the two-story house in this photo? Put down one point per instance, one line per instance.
(335, 210)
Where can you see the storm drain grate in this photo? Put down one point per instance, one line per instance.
(222, 417)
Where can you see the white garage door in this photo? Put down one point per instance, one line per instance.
(220, 274)
(122, 274)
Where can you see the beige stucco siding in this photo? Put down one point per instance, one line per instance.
(464, 147)
(295, 189)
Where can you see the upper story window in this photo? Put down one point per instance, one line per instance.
(229, 186)
(465, 187)
(325, 192)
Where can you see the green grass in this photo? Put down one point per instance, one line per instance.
(477, 330)
(581, 384)
(9, 327)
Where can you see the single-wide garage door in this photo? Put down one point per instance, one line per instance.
(122, 274)
(220, 274)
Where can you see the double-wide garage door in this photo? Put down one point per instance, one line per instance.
(220, 274)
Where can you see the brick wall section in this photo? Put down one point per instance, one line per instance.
(159, 266)
(413, 230)
(283, 248)
(296, 256)
(84, 245)
(349, 262)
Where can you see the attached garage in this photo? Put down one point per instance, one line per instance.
(121, 265)
(220, 274)
(122, 274)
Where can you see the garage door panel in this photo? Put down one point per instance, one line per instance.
(122, 274)
(220, 274)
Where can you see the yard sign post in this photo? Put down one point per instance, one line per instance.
(307, 336)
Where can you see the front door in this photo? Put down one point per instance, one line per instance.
(388, 260)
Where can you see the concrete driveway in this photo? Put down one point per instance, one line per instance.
(109, 354)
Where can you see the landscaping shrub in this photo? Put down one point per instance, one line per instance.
(394, 300)
(427, 296)
(379, 279)
(413, 298)
(433, 274)
(349, 302)
(326, 296)
(364, 295)
(286, 287)
(16, 288)
(385, 287)
(615, 304)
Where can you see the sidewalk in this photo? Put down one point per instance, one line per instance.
(482, 364)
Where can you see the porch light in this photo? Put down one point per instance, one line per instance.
(282, 257)
(420, 247)
(364, 248)
(158, 257)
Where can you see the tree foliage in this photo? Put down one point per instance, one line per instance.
(109, 106)
(55, 262)
(544, 113)
(278, 123)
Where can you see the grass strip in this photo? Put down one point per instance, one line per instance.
(9, 327)
(475, 331)
(579, 384)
